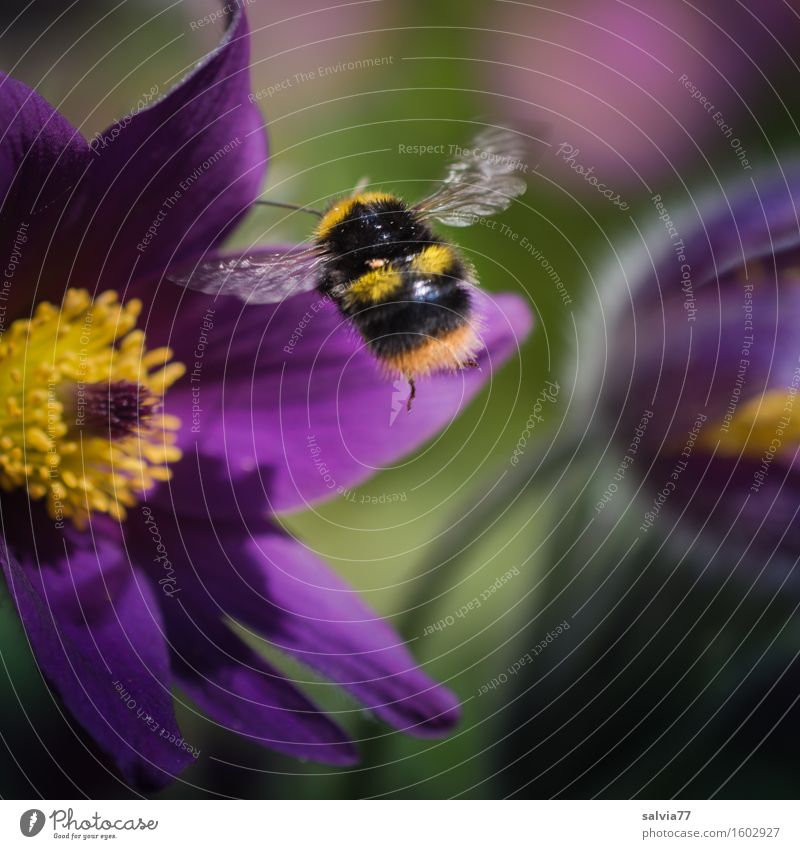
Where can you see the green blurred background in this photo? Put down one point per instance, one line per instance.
(442, 66)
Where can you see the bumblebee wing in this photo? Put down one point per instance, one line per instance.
(482, 181)
(262, 277)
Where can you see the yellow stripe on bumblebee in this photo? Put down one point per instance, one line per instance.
(434, 259)
(373, 287)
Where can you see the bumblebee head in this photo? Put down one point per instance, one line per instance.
(369, 227)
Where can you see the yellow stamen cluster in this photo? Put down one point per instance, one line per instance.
(46, 364)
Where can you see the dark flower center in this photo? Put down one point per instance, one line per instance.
(115, 410)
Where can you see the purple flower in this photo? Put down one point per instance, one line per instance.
(139, 467)
(635, 90)
(700, 385)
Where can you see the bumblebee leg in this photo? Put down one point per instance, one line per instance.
(470, 364)
(412, 394)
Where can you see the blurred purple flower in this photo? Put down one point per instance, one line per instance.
(634, 87)
(703, 372)
(123, 601)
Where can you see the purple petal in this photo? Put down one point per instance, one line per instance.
(242, 692)
(227, 679)
(748, 529)
(610, 79)
(172, 180)
(324, 623)
(289, 392)
(269, 582)
(41, 153)
(42, 158)
(753, 219)
(680, 369)
(96, 631)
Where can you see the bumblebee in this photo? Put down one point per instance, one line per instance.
(405, 290)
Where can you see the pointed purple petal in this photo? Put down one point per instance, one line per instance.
(269, 582)
(172, 180)
(752, 219)
(324, 623)
(242, 692)
(96, 631)
(678, 369)
(42, 158)
(228, 680)
(41, 153)
(753, 536)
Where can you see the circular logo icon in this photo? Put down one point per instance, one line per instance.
(31, 822)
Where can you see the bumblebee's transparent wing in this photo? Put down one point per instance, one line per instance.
(482, 181)
(261, 277)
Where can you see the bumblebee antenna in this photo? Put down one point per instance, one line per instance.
(290, 206)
